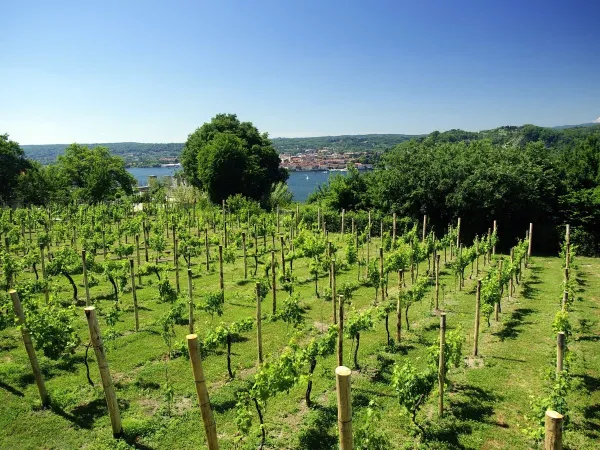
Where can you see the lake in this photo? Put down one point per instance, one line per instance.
(301, 183)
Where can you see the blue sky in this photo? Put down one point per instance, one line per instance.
(149, 71)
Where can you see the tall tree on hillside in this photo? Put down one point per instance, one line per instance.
(226, 157)
(94, 174)
(13, 164)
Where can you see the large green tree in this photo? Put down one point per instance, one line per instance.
(225, 157)
(92, 174)
(13, 165)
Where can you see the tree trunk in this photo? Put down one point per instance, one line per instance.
(356, 366)
(73, 285)
(229, 356)
(313, 364)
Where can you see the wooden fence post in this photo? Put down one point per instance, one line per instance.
(476, 331)
(340, 342)
(133, 291)
(344, 402)
(258, 324)
(442, 363)
(107, 383)
(85, 279)
(560, 349)
(35, 367)
(554, 425)
(210, 427)
(190, 302)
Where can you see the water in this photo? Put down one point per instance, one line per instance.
(301, 183)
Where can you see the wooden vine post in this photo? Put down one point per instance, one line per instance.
(343, 213)
(333, 290)
(134, 293)
(567, 245)
(176, 260)
(530, 243)
(437, 283)
(224, 225)
(137, 252)
(476, 331)
(442, 364)
(340, 341)
(560, 350)
(282, 255)
(344, 403)
(511, 285)
(107, 383)
(458, 233)
(554, 426)
(424, 227)
(221, 283)
(381, 274)
(258, 324)
(35, 367)
(85, 279)
(44, 275)
(210, 426)
(394, 229)
(273, 282)
(399, 309)
(495, 231)
(244, 252)
(206, 248)
(565, 299)
(190, 302)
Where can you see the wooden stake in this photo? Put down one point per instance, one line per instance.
(560, 349)
(565, 299)
(442, 363)
(424, 227)
(530, 240)
(567, 246)
(495, 230)
(282, 255)
(344, 402)
(107, 383)
(206, 248)
(333, 291)
(381, 274)
(244, 251)
(399, 309)
(477, 307)
(137, 251)
(340, 342)
(273, 282)
(35, 367)
(458, 233)
(190, 302)
(437, 283)
(210, 427)
(133, 291)
(258, 324)
(394, 230)
(343, 212)
(85, 279)
(44, 275)
(221, 283)
(554, 426)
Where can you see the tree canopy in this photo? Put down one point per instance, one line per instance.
(13, 165)
(226, 157)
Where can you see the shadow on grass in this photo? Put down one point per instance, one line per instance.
(470, 404)
(317, 434)
(591, 384)
(11, 389)
(512, 327)
(528, 292)
(592, 416)
(84, 416)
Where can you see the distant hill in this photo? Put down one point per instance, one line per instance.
(147, 155)
(144, 155)
(345, 143)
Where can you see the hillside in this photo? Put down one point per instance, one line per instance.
(148, 154)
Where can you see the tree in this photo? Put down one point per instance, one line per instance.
(226, 157)
(94, 174)
(13, 164)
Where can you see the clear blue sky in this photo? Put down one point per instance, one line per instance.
(149, 71)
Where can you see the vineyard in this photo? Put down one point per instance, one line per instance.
(117, 320)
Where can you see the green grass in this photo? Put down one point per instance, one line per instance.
(487, 403)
